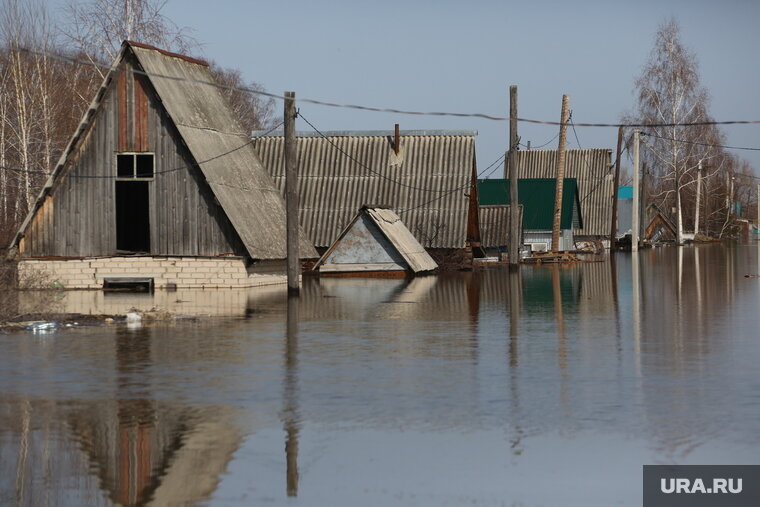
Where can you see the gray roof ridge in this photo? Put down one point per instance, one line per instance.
(368, 133)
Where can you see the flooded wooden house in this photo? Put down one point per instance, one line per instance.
(160, 184)
(427, 177)
(536, 197)
(661, 226)
(375, 243)
(594, 173)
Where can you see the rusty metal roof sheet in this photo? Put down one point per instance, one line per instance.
(426, 184)
(222, 150)
(592, 170)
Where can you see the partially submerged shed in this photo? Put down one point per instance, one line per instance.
(160, 182)
(536, 197)
(376, 242)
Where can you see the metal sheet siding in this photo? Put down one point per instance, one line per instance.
(592, 170)
(425, 185)
(494, 225)
(219, 146)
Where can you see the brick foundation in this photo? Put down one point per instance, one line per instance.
(182, 272)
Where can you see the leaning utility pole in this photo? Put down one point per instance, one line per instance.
(514, 208)
(614, 226)
(560, 171)
(291, 194)
(635, 212)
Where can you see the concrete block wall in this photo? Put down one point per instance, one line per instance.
(184, 272)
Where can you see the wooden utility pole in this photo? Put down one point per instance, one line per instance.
(699, 195)
(560, 171)
(635, 207)
(614, 225)
(514, 212)
(291, 194)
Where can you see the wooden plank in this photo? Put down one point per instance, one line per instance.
(122, 108)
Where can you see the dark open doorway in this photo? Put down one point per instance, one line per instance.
(132, 216)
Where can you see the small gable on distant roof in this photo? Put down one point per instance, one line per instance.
(376, 240)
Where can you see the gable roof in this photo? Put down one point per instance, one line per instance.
(393, 229)
(427, 183)
(218, 144)
(592, 169)
(537, 199)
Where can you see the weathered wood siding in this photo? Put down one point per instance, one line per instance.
(79, 218)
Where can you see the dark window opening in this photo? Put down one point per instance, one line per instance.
(132, 216)
(134, 165)
(125, 166)
(128, 285)
(144, 166)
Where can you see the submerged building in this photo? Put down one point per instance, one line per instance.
(426, 177)
(376, 243)
(159, 184)
(536, 197)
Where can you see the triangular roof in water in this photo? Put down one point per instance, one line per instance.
(376, 240)
(218, 144)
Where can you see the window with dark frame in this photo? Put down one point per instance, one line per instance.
(134, 165)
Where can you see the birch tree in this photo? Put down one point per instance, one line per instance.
(668, 93)
(96, 28)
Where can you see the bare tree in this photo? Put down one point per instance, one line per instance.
(254, 111)
(669, 94)
(97, 28)
(29, 106)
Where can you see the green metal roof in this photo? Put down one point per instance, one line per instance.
(537, 198)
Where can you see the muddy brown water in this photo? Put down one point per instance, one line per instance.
(548, 386)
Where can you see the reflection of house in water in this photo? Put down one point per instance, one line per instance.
(147, 449)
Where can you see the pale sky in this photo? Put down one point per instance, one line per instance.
(461, 56)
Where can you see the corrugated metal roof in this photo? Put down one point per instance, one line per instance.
(494, 225)
(426, 184)
(241, 185)
(592, 170)
(537, 199)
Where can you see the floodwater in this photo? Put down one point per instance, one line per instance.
(547, 386)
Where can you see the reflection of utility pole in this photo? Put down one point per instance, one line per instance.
(515, 300)
(636, 281)
(291, 416)
(559, 314)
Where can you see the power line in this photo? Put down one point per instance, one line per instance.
(381, 109)
(483, 175)
(542, 145)
(601, 180)
(700, 144)
(366, 167)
